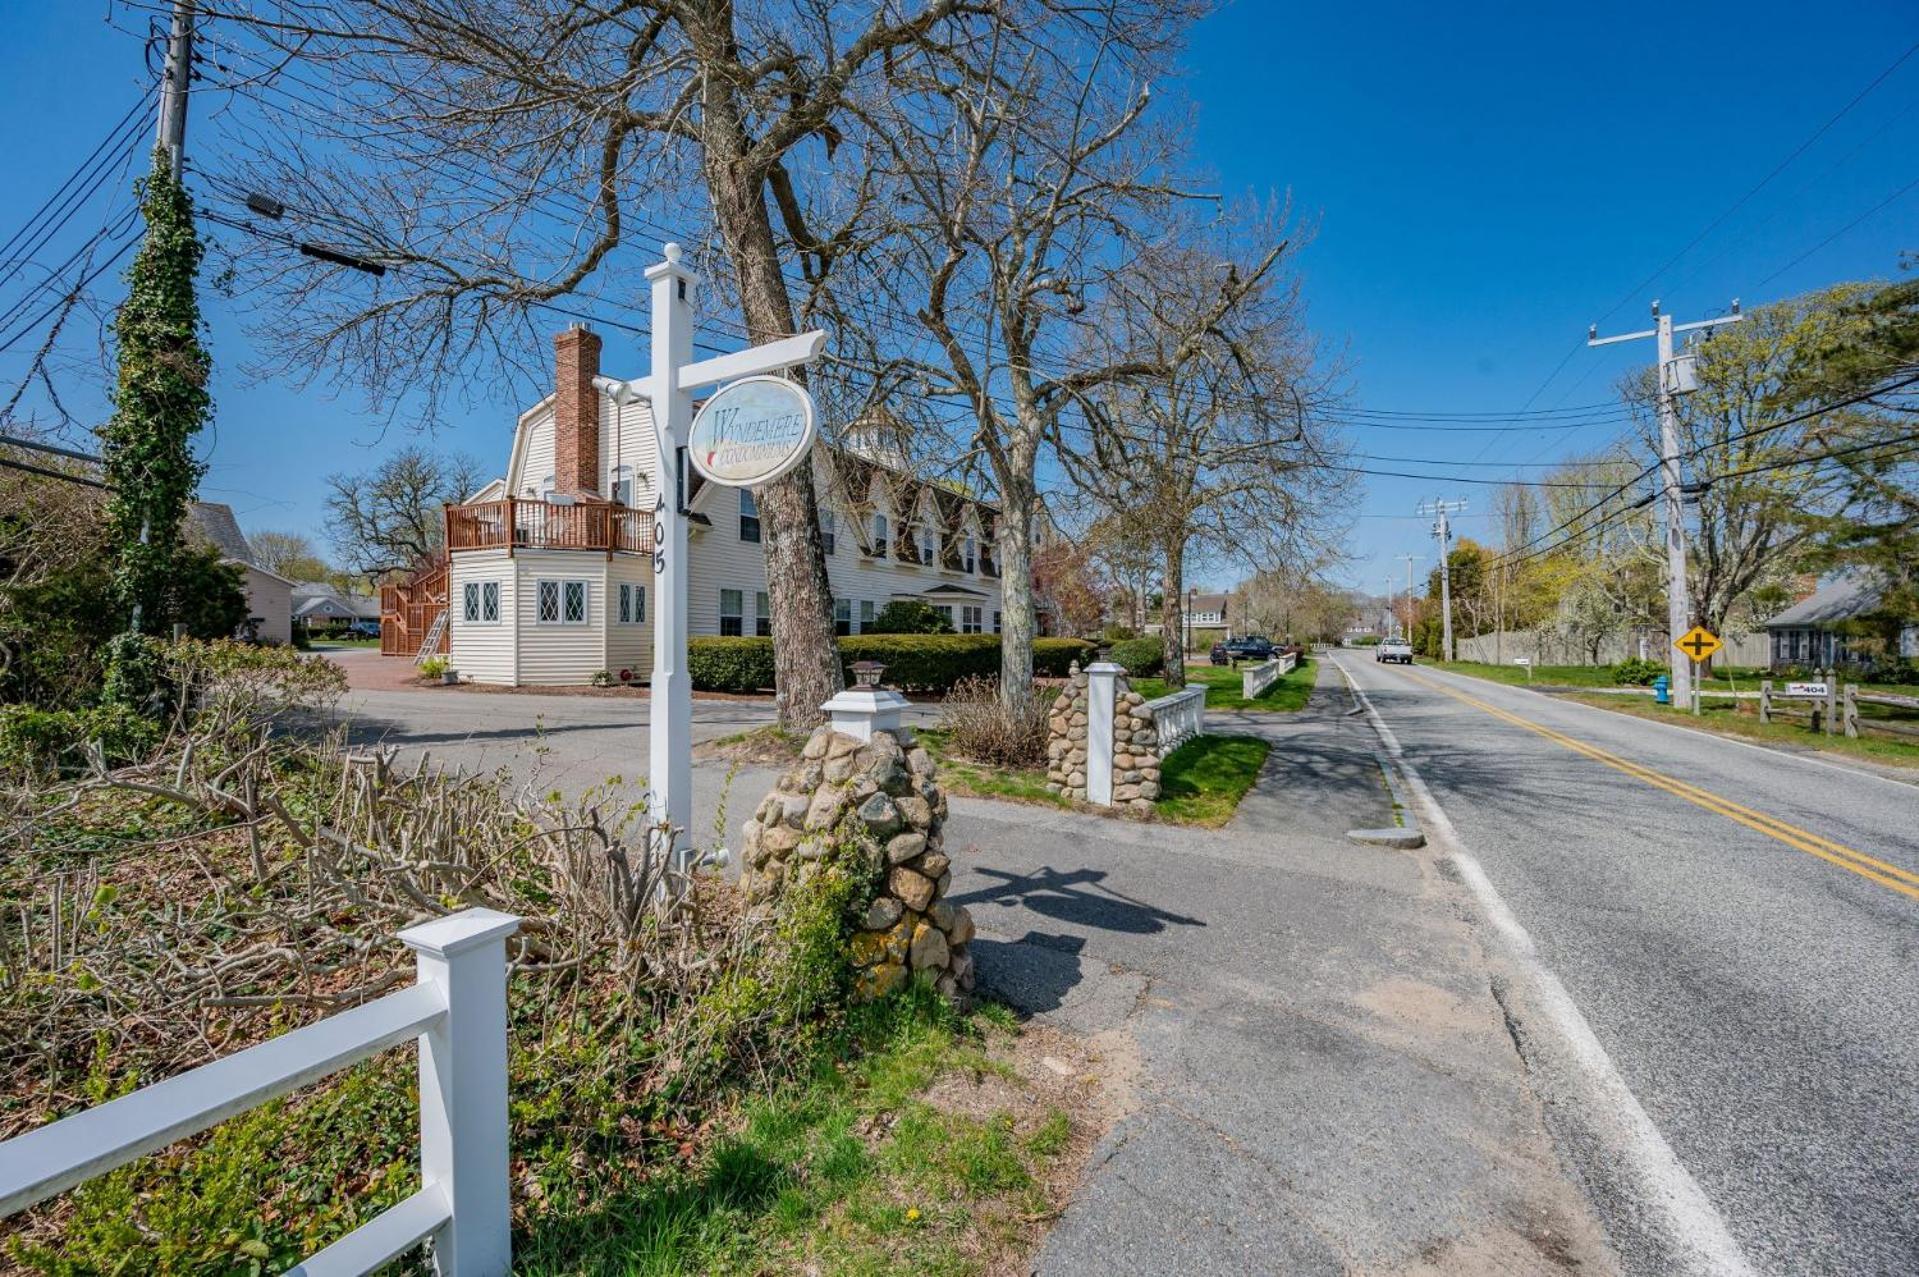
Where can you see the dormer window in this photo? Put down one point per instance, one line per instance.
(926, 545)
(972, 548)
(879, 535)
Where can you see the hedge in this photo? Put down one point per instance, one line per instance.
(1141, 658)
(914, 662)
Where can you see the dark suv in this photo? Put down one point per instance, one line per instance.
(1250, 647)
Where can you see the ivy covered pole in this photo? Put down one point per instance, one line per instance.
(160, 402)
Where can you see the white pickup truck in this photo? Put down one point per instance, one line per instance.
(1394, 649)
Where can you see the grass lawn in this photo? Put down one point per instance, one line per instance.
(983, 780)
(1222, 688)
(1577, 676)
(1727, 717)
(1203, 780)
(937, 1150)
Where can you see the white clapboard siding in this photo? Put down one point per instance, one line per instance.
(560, 653)
(484, 653)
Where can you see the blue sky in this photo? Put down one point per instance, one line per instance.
(1486, 181)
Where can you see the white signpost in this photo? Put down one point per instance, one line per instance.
(736, 463)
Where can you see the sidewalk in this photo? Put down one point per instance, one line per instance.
(1324, 1081)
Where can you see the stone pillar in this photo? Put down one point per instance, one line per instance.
(1100, 686)
(857, 781)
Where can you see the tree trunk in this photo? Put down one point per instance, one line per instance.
(1173, 613)
(806, 655)
(1019, 506)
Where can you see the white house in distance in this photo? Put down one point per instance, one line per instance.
(550, 567)
(269, 595)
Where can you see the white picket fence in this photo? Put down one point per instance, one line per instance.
(457, 1011)
(1178, 717)
(1255, 679)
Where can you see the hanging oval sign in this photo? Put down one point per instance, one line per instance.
(752, 431)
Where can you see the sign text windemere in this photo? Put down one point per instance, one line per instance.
(752, 431)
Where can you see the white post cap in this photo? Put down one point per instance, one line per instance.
(459, 932)
(861, 711)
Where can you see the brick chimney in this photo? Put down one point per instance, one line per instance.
(576, 410)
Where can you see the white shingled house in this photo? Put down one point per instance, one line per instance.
(550, 566)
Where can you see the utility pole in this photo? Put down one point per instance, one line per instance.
(1675, 379)
(170, 131)
(1392, 609)
(1409, 559)
(175, 80)
(1442, 510)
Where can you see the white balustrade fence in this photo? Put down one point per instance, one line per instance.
(1178, 717)
(457, 1011)
(1255, 679)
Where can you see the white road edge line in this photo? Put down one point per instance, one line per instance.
(1686, 1220)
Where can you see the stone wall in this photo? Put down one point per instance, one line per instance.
(1135, 752)
(883, 794)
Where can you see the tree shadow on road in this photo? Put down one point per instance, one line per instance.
(1076, 898)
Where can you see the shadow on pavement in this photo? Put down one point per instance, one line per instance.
(1064, 897)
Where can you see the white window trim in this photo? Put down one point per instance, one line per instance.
(559, 584)
(632, 603)
(479, 590)
(725, 615)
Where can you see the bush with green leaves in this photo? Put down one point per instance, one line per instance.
(1140, 658)
(914, 662)
(1634, 672)
(730, 664)
(52, 740)
(908, 616)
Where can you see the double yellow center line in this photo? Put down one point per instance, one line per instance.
(1903, 881)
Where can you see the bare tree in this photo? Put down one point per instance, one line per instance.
(289, 554)
(1029, 175)
(500, 155)
(390, 516)
(1222, 450)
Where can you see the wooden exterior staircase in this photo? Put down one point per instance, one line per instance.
(413, 614)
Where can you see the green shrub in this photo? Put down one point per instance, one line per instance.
(39, 740)
(924, 662)
(1636, 673)
(433, 667)
(909, 616)
(730, 664)
(1054, 657)
(1140, 658)
(1117, 633)
(914, 662)
(133, 678)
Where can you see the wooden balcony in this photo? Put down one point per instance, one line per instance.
(521, 523)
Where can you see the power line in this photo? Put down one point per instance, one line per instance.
(1639, 288)
(1841, 231)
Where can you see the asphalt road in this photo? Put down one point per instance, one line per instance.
(1739, 929)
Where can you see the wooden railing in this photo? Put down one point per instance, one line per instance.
(516, 523)
(407, 609)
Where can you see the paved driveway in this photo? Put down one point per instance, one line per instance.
(569, 743)
(1324, 1082)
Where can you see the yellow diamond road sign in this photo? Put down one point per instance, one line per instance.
(1699, 643)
